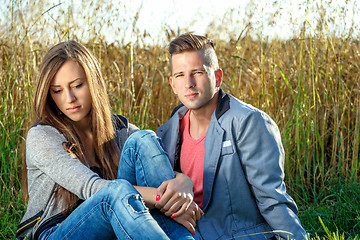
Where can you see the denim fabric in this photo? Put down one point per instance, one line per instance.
(144, 162)
(115, 211)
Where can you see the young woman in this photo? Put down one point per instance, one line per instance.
(77, 188)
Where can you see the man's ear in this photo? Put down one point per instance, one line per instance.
(171, 84)
(218, 76)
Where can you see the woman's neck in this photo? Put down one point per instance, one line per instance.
(87, 139)
(84, 126)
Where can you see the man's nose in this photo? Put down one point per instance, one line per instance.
(190, 82)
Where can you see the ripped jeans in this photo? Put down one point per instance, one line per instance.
(117, 211)
(144, 162)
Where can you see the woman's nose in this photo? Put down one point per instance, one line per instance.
(70, 96)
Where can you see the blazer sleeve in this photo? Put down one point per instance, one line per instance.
(261, 152)
(44, 152)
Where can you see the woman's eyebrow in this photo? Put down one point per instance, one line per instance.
(69, 83)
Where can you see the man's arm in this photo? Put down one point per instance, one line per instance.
(262, 155)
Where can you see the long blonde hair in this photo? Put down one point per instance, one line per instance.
(45, 111)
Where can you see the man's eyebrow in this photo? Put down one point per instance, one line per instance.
(177, 73)
(194, 70)
(198, 69)
(69, 83)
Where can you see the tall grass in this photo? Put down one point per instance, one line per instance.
(309, 85)
(15, 93)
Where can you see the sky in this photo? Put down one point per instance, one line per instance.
(269, 18)
(221, 18)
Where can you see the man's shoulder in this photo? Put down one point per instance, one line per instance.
(240, 108)
(246, 114)
(176, 109)
(241, 114)
(170, 125)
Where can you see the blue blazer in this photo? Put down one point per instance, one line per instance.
(244, 193)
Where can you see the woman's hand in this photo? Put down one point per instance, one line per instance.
(175, 196)
(190, 217)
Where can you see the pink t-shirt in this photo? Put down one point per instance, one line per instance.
(192, 158)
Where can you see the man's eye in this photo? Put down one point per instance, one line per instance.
(178, 76)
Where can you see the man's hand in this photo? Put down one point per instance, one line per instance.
(175, 196)
(190, 217)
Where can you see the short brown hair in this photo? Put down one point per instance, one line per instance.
(190, 42)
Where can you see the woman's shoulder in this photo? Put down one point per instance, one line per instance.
(42, 143)
(121, 124)
(123, 129)
(41, 131)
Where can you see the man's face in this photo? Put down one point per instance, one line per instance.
(194, 83)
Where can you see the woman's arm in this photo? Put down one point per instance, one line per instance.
(46, 155)
(175, 195)
(186, 217)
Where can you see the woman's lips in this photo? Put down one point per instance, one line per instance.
(74, 109)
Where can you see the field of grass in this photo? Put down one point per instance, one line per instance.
(310, 85)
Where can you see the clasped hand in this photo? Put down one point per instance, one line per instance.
(176, 200)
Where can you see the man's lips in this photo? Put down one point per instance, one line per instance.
(191, 95)
(74, 109)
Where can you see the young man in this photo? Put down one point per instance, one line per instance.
(231, 150)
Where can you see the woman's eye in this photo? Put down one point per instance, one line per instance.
(56, 91)
(79, 85)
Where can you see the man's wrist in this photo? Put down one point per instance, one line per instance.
(185, 179)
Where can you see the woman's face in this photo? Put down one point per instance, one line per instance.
(70, 91)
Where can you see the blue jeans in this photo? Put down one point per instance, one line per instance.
(117, 210)
(144, 162)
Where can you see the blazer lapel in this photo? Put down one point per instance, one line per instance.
(213, 144)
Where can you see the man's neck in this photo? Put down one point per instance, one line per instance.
(200, 118)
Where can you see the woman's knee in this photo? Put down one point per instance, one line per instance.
(138, 139)
(119, 186)
(116, 189)
(122, 190)
(141, 135)
(145, 142)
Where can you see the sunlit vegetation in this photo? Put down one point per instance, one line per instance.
(309, 84)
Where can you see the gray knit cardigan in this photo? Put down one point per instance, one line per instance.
(48, 164)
